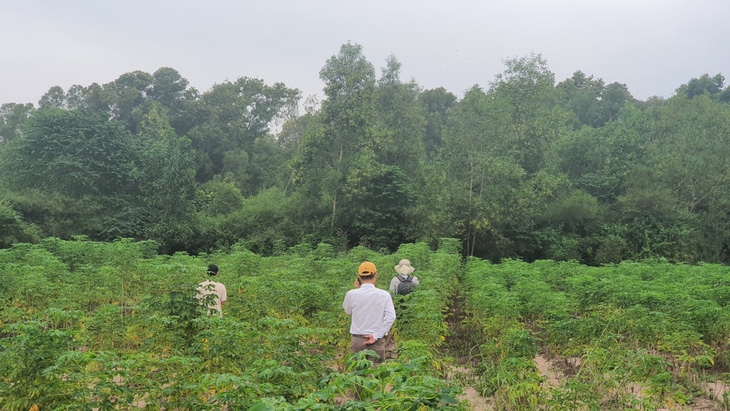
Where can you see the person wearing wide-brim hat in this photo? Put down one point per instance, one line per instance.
(404, 269)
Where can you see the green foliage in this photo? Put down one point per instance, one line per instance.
(12, 118)
(324, 251)
(27, 352)
(703, 85)
(260, 221)
(593, 103)
(233, 116)
(108, 325)
(114, 325)
(72, 152)
(652, 324)
(526, 167)
(437, 103)
(14, 229)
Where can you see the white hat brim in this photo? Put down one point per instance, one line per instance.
(404, 269)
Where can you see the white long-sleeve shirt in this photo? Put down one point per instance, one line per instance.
(371, 309)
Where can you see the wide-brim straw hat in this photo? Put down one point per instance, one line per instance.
(404, 267)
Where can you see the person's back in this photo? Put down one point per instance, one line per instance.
(405, 286)
(372, 312)
(404, 282)
(367, 305)
(209, 287)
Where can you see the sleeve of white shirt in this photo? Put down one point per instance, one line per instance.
(388, 319)
(346, 305)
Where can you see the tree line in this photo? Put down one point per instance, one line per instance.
(525, 167)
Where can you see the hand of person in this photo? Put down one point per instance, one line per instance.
(357, 283)
(371, 340)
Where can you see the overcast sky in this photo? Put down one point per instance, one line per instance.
(652, 46)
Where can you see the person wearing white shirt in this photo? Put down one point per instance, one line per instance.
(212, 287)
(372, 312)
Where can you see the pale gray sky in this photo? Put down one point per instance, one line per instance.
(653, 46)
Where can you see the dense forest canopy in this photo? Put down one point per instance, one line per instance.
(525, 167)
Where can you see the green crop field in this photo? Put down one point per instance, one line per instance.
(629, 336)
(109, 326)
(90, 325)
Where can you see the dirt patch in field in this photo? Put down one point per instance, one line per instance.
(716, 390)
(476, 401)
(557, 370)
(465, 377)
(545, 366)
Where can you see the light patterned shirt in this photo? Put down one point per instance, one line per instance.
(218, 289)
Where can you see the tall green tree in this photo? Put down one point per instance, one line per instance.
(613, 98)
(690, 156)
(55, 97)
(12, 117)
(582, 95)
(481, 179)
(598, 160)
(129, 93)
(691, 150)
(165, 200)
(233, 115)
(703, 85)
(398, 135)
(71, 172)
(381, 190)
(168, 191)
(530, 118)
(469, 142)
(71, 152)
(94, 98)
(496, 154)
(329, 153)
(171, 90)
(437, 103)
(168, 87)
(593, 103)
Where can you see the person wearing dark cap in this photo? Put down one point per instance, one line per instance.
(372, 312)
(212, 287)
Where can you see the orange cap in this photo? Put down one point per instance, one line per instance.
(367, 269)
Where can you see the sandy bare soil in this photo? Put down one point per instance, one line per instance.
(553, 371)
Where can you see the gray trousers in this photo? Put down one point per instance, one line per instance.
(358, 344)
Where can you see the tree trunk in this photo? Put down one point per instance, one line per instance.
(334, 195)
(469, 242)
(334, 210)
